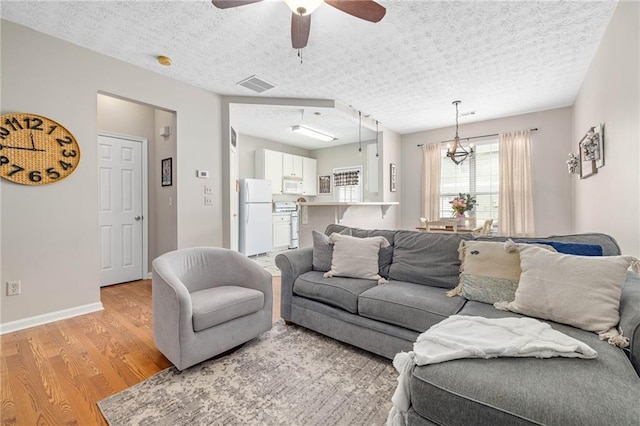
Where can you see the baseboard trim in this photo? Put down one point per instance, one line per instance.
(34, 321)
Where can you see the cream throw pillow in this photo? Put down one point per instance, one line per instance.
(489, 271)
(355, 257)
(577, 290)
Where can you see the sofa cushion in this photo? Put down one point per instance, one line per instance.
(575, 290)
(413, 306)
(524, 391)
(217, 305)
(337, 291)
(426, 258)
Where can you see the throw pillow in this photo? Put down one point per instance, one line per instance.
(323, 250)
(355, 257)
(488, 273)
(573, 248)
(577, 290)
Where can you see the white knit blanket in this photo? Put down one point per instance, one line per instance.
(462, 336)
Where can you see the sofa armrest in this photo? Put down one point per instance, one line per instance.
(292, 264)
(630, 316)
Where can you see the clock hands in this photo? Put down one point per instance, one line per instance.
(33, 146)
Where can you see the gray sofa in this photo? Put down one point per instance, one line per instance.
(386, 319)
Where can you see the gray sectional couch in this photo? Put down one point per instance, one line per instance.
(386, 319)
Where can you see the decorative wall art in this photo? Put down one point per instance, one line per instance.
(591, 151)
(167, 172)
(324, 184)
(392, 175)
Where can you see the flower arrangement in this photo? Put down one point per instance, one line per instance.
(464, 202)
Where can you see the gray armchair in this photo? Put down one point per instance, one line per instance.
(206, 301)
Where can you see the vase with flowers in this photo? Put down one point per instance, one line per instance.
(464, 202)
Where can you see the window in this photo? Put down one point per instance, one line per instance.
(478, 175)
(347, 182)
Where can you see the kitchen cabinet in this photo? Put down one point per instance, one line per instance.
(281, 230)
(268, 165)
(291, 166)
(309, 176)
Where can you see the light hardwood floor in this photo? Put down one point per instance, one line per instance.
(55, 374)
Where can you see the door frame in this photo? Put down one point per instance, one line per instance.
(146, 273)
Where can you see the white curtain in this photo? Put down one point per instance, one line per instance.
(431, 157)
(516, 185)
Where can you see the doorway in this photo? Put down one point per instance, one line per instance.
(123, 208)
(155, 130)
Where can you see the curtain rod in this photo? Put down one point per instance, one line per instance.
(478, 137)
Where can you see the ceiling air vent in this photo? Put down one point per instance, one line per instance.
(256, 84)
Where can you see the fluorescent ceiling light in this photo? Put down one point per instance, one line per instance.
(312, 133)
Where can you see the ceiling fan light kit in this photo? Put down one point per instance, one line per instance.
(303, 7)
(312, 133)
(367, 10)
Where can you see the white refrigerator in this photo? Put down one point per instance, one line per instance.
(256, 219)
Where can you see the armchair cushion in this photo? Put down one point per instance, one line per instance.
(218, 305)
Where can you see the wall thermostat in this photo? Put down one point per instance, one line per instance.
(202, 173)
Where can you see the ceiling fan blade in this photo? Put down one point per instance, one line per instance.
(368, 10)
(226, 4)
(300, 27)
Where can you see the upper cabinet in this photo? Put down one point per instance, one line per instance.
(269, 166)
(309, 176)
(299, 172)
(291, 166)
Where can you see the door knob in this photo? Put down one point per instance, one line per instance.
(137, 217)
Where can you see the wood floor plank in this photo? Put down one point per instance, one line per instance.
(56, 373)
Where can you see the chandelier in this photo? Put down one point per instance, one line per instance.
(456, 151)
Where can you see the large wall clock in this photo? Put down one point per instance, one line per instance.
(35, 150)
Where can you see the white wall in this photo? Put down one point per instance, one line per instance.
(610, 200)
(550, 147)
(165, 198)
(50, 238)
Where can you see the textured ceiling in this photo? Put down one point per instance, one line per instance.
(499, 58)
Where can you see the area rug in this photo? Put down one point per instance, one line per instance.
(287, 376)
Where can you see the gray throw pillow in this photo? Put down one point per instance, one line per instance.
(323, 250)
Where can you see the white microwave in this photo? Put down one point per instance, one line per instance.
(291, 186)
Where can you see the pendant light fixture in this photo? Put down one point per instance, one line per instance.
(456, 151)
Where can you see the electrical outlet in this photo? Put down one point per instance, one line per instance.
(208, 201)
(13, 288)
(208, 189)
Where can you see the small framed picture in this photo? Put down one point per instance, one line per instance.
(167, 172)
(324, 184)
(392, 168)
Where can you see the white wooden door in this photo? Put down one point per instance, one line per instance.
(120, 209)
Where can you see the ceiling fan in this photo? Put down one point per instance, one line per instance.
(368, 10)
